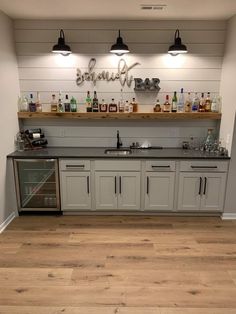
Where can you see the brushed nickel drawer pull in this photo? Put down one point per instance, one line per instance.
(204, 167)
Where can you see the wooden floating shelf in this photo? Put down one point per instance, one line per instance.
(121, 116)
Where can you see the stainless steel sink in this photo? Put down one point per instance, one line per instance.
(118, 151)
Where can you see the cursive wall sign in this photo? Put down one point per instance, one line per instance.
(122, 74)
(147, 84)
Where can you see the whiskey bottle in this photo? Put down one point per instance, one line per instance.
(32, 105)
(188, 103)
(166, 105)
(135, 105)
(53, 103)
(202, 104)
(174, 103)
(95, 105)
(103, 106)
(208, 103)
(112, 106)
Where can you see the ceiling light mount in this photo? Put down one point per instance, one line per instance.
(177, 47)
(61, 46)
(119, 48)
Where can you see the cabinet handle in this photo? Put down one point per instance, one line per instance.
(205, 184)
(115, 184)
(88, 185)
(75, 166)
(161, 166)
(200, 186)
(147, 185)
(120, 183)
(204, 167)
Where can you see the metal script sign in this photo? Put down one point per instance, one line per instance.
(122, 74)
(147, 84)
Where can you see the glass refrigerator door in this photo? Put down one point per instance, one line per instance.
(37, 184)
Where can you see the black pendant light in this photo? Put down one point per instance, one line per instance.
(61, 47)
(119, 48)
(178, 47)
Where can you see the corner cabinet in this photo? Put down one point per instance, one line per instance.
(119, 189)
(75, 181)
(202, 185)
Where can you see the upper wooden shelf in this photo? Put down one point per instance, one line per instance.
(121, 116)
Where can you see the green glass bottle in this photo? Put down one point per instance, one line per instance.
(73, 105)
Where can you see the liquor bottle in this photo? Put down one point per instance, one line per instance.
(180, 105)
(88, 102)
(112, 106)
(127, 106)
(157, 107)
(209, 141)
(38, 103)
(103, 106)
(135, 105)
(195, 103)
(36, 135)
(95, 105)
(215, 105)
(53, 103)
(32, 105)
(73, 104)
(131, 108)
(202, 104)
(208, 103)
(166, 105)
(23, 105)
(174, 103)
(67, 104)
(60, 104)
(31, 131)
(188, 103)
(121, 105)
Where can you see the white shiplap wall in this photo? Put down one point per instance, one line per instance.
(40, 70)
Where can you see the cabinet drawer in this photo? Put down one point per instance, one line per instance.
(118, 165)
(203, 165)
(74, 164)
(160, 165)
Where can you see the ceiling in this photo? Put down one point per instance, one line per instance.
(118, 9)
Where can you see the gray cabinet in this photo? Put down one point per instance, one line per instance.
(202, 186)
(75, 185)
(159, 185)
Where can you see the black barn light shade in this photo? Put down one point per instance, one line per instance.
(178, 47)
(61, 47)
(119, 48)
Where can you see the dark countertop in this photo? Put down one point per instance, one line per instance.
(98, 152)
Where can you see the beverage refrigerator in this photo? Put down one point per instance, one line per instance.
(37, 184)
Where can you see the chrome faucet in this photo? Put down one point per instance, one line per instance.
(119, 143)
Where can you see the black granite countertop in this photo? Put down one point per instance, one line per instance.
(99, 152)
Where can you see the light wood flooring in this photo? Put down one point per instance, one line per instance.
(118, 265)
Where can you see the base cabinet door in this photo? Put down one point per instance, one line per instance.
(129, 190)
(106, 189)
(75, 190)
(190, 186)
(159, 190)
(213, 191)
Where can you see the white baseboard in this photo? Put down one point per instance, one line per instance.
(226, 216)
(7, 221)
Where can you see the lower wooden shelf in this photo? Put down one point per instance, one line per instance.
(121, 116)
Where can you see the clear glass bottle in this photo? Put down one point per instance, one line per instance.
(121, 105)
(67, 104)
(188, 103)
(180, 105)
(38, 103)
(195, 103)
(209, 141)
(174, 103)
(73, 104)
(23, 105)
(60, 104)
(53, 103)
(166, 105)
(127, 106)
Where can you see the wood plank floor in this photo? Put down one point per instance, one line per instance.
(118, 265)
